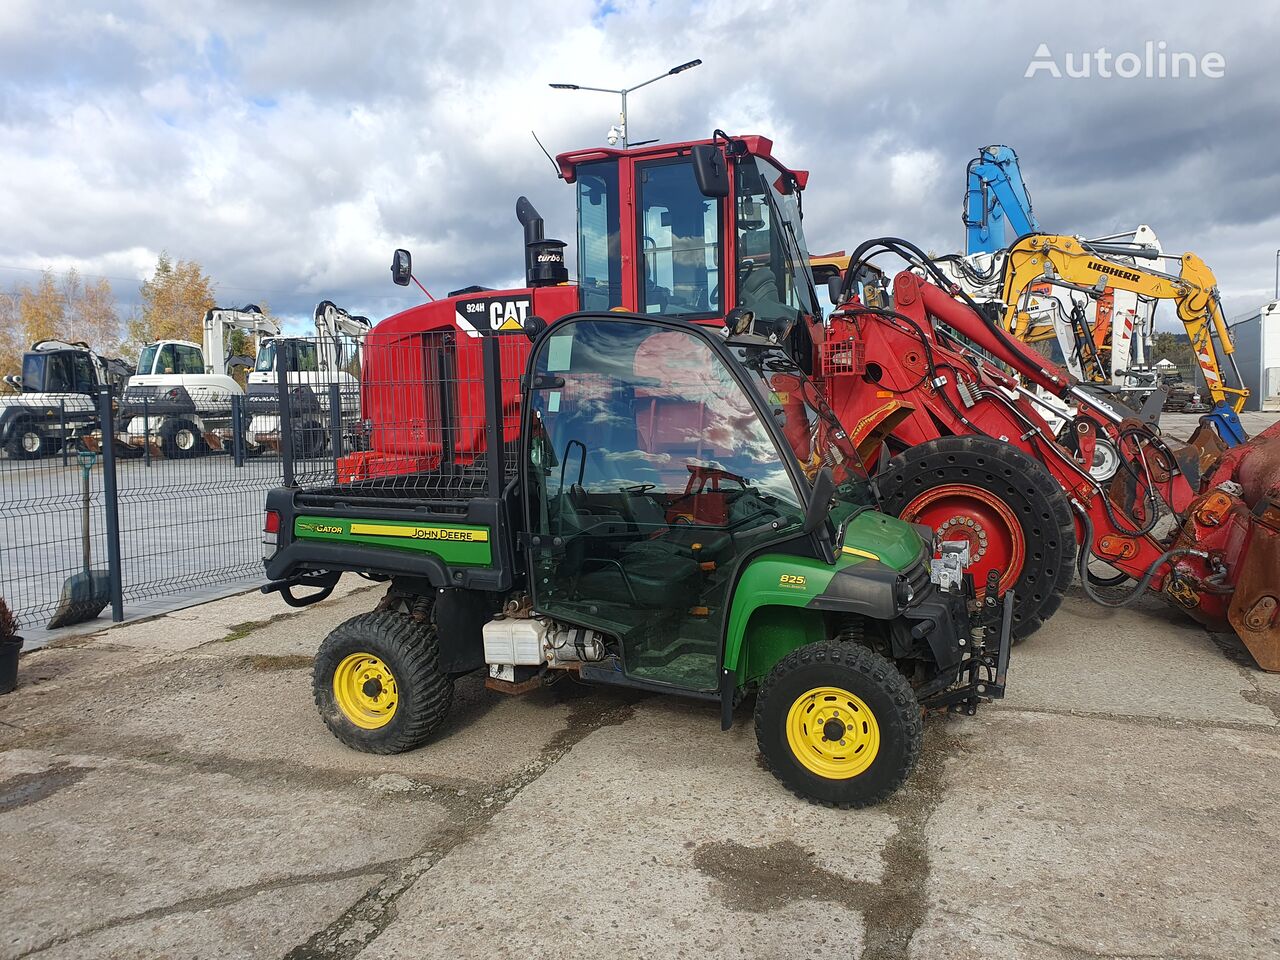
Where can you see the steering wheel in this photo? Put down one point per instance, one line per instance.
(766, 515)
(638, 488)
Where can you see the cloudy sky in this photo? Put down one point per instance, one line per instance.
(289, 147)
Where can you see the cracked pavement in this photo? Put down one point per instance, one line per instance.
(166, 790)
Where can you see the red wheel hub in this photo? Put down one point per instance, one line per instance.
(962, 513)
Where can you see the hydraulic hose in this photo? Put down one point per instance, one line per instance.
(1086, 551)
(931, 369)
(902, 248)
(909, 252)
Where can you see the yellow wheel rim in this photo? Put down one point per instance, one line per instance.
(365, 690)
(832, 733)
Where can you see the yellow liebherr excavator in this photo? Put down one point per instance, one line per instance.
(1039, 260)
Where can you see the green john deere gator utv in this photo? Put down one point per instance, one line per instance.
(653, 504)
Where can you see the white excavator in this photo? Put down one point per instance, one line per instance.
(318, 368)
(1104, 336)
(56, 398)
(179, 403)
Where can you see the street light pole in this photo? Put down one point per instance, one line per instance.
(622, 117)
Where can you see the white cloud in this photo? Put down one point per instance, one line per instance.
(291, 150)
(913, 173)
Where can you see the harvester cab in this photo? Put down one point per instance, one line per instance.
(716, 236)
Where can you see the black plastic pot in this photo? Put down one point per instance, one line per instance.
(9, 663)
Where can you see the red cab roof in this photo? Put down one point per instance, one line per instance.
(756, 145)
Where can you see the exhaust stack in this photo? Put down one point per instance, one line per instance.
(543, 258)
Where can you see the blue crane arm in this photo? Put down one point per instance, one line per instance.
(995, 193)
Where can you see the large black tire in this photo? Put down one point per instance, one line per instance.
(180, 440)
(876, 687)
(401, 658)
(999, 472)
(27, 441)
(309, 440)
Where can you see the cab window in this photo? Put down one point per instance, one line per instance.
(679, 241)
(58, 374)
(599, 238)
(83, 376)
(33, 367)
(189, 359)
(772, 259)
(652, 474)
(167, 360)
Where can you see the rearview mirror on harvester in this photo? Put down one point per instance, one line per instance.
(819, 504)
(401, 267)
(711, 170)
(835, 287)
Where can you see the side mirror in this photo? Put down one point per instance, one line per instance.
(835, 286)
(819, 505)
(401, 268)
(711, 170)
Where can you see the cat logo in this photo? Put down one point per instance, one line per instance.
(508, 316)
(490, 315)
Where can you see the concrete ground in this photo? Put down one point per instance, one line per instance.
(1182, 425)
(167, 790)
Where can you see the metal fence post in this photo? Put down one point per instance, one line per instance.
(335, 425)
(62, 427)
(491, 362)
(146, 430)
(284, 358)
(237, 430)
(111, 503)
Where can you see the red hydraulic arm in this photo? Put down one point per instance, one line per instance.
(910, 355)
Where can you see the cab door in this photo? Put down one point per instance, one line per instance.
(650, 473)
(679, 241)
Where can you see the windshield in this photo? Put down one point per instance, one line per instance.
(810, 426)
(772, 260)
(148, 357)
(304, 357)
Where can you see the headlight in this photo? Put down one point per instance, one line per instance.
(903, 593)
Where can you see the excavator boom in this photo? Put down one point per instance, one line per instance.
(1093, 268)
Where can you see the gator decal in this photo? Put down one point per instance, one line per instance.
(455, 544)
